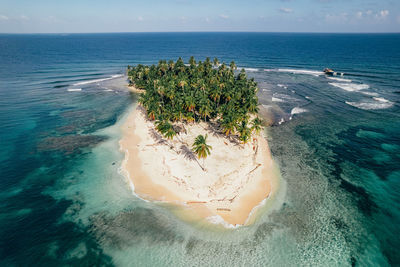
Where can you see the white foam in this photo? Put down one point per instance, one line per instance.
(339, 79)
(266, 106)
(281, 121)
(219, 220)
(99, 80)
(378, 104)
(282, 97)
(381, 99)
(250, 69)
(298, 71)
(282, 85)
(351, 87)
(74, 89)
(274, 99)
(370, 93)
(298, 110)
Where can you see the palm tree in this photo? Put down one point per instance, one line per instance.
(192, 62)
(166, 129)
(257, 125)
(177, 92)
(228, 125)
(233, 66)
(216, 62)
(204, 108)
(244, 132)
(201, 148)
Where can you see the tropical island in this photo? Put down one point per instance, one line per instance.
(195, 140)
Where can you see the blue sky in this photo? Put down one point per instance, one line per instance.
(66, 16)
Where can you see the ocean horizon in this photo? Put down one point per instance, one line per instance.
(63, 100)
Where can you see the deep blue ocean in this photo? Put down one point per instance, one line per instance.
(63, 201)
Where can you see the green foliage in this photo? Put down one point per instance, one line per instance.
(165, 128)
(257, 125)
(199, 91)
(200, 146)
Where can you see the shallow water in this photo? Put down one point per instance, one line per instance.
(64, 201)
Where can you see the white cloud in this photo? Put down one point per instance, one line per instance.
(207, 19)
(140, 18)
(23, 17)
(2, 17)
(285, 10)
(223, 16)
(382, 14)
(370, 15)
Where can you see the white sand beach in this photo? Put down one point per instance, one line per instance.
(229, 184)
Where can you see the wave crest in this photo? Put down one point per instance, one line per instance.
(351, 87)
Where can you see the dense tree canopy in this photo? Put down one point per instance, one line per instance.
(198, 91)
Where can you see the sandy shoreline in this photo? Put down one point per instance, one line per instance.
(237, 178)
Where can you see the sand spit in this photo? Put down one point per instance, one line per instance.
(229, 185)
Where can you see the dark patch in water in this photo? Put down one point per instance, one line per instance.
(365, 147)
(61, 86)
(364, 200)
(66, 129)
(190, 245)
(133, 228)
(339, 223)
(88, 121)
(264, 230)
(69, 144)
(40, 238)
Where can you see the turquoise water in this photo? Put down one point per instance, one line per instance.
(64, 201)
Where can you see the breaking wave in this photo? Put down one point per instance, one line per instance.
(379, 103)
(298, 110)
(274, 99)
(339, 79)
(351, 87)
(370, 93)
(250, 69)
(297, 71)
(99, 80)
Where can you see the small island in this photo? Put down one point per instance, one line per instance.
(195, 140)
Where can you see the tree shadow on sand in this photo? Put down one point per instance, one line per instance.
(188, 153)
(215, 129)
